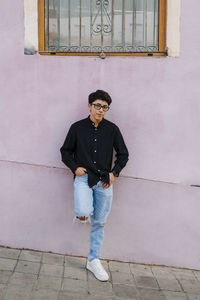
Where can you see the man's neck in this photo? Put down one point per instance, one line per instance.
(96, 122)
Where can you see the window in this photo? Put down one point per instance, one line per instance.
(106, 27)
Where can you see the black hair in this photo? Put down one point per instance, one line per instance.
(101, 95)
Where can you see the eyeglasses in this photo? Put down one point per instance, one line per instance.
(98, 106)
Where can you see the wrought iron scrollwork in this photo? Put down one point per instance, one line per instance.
(102, 11)
(104, 2)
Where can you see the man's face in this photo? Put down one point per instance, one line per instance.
(95, 113)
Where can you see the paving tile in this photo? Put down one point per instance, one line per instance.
(75, 262)
(75, 273)
(169, 284)
(146, 282)
(197, 274)
(97, 287)
(141, 270)
(71, 296)
(125, 291)
(3, 288)
(44, 294)
(23, 279)
(123, 278)
(115, 266)
(17, 293)
(100, 297)
(169, 295)
(160, 272)
(4, 276)
(133, 298)
(193, 297)
(149, 294)
(51, 258)
(24, 266)
(52, 270)
(190, 286)
(30, 255)
(9, 253)
(7, 264)
(91, 277)
(183, 273)
(77, 286)
(49, 282)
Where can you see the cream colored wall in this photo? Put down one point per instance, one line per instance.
(31, 25)
(173, 27)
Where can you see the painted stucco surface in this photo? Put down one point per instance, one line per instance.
(155, 213)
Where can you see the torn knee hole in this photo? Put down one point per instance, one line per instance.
(82, 218)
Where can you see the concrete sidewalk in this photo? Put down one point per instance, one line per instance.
(35, 275)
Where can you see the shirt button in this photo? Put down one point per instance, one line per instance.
(100, 177)
(94, 162)
(95, 140)
(98, 170)
(95, 150)
(95, 128)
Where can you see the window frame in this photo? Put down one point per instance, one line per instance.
(161, 37)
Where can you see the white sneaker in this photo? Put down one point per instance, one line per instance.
(97, 269)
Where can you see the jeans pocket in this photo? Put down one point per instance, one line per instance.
(81, 178)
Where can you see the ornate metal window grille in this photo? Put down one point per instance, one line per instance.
(101, 25)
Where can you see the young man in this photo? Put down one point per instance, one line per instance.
(88, 152)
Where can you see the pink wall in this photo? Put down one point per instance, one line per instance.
(155, 213)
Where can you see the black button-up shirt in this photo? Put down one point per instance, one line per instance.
(91, 147)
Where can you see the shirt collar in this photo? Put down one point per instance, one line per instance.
(92, 123)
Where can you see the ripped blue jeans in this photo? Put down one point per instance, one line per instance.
(96, 202)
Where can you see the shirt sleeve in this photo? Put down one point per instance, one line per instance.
(68, 149)
(121, 153)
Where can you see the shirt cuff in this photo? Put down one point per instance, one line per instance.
(115, 172)
(74, 167)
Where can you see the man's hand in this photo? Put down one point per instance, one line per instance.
(112, 178)
(80, 171)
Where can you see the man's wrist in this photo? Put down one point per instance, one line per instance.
(115, 173)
